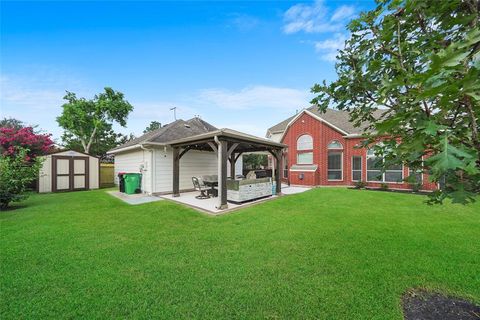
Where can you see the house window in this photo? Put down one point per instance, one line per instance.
(305, 142)
(305, 158)
(335, 165)
(335, 162)
(335, 145)
(392, 173)
(356, 168)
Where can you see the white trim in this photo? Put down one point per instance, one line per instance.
(330, 148)
(361, 170)
(284, 161)
(314, 116)
(302, 170)
(135, 146)
(311, 141)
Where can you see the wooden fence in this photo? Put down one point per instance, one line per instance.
(107, 176)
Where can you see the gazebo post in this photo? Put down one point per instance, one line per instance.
(176, 171)
(222, 174)
(278, 157)
(232, 166)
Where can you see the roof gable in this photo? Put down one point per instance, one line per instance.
(338, 120)
(172, 131)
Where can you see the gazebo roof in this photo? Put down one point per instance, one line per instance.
(246, 142)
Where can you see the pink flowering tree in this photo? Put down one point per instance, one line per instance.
(12, 140)
(19, 162)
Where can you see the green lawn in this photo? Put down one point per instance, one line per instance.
(329, 253)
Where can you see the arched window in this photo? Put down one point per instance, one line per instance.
(305, 142)
(305, 149)
(335, 161)
(335, 145)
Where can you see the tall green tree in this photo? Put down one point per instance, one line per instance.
(154, 125)
(255, 161)
(106, 139)
(418, 61)
(86, 119)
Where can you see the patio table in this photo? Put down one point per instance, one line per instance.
(212, 184)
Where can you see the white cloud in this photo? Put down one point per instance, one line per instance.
(343, 13)
(256, 97)
(328, 49)
(316, 18)
(28, 92)
(36, 95)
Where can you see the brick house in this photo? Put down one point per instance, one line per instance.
(321, 152)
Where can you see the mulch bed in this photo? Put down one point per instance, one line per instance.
(424, 305)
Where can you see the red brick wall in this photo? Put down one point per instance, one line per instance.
(322, 135)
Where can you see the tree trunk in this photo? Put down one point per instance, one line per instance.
(92, 136)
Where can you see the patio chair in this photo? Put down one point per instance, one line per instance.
(199, 186)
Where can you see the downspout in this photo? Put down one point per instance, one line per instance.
(152, 155)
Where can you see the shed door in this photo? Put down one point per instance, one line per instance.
(69, 173)
(80, 173)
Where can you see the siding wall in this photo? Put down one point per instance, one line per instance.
(322, 135)
(45, 176)
(193, 163)
(131, 162)
(94, 172)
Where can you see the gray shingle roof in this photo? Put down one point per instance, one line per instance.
(340, 119)
(172, 131)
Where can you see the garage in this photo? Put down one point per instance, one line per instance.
(68, 171)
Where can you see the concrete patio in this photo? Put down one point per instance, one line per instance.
(134, 199)
(209, 205)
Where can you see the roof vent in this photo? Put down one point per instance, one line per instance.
(186, 125)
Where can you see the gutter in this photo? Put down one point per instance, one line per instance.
(136, 146)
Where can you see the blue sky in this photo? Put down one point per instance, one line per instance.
(242, 65)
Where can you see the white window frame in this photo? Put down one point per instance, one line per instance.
(361, 166)
(330, 147)
(341, 164)
(299, 153)
(285, 166)
(304, 148)
(383, 173)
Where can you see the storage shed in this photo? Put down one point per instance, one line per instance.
(69, 171)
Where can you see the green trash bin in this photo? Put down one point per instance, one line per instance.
(132, 182)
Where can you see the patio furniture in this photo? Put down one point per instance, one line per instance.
(212, 182)
(200, 186)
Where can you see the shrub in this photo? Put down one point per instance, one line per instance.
(16, 173)
(416, 186)
(360, 184)
(384, 186)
